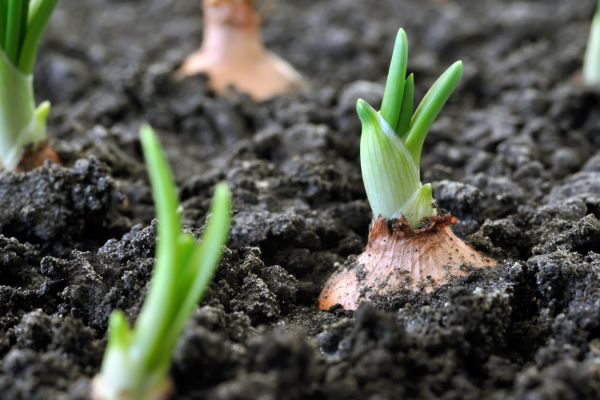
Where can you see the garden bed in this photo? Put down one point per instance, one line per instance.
(515, 155)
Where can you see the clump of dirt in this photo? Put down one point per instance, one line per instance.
(52, 206)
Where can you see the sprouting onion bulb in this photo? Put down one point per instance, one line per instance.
(392, 140)
(137, 360)
(22, 24)
(591, 64)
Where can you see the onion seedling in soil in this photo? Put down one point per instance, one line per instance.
(23, 142)
(591, 64)
(233, 53)
(410, 244)
(137, 360)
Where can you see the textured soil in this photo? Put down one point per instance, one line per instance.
(515, 156)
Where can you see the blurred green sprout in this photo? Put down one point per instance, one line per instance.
(591, 64)
(22, 24)
(137, 360)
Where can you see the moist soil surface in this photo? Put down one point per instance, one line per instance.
(515, 155)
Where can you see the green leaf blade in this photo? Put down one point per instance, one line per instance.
(394, 88)
(160, 306)
(116, 358)
(591, 63)
(34, 6)
(430, 107)
(163, 188)
(389, 173)
(204, 260)
(3, 22)
(24, 15)
(118, 330)
(418, 207)
(14, 22)
(37, 24)
(407, 107)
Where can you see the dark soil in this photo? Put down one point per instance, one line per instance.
(515, 155)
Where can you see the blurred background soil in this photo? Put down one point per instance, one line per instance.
(515, 155)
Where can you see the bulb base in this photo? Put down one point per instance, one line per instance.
(398, 259)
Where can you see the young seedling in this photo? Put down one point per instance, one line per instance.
(410, 245)
(591, 64)
(137, 360)
(22, 24)
(232, 53)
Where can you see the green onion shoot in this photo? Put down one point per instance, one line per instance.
(591, 63)
(137, 360)
(401, 254)
(392, 140)
(22, 24)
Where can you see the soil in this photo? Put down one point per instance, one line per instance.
(515, 155)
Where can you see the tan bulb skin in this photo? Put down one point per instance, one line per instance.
(398, 258)
(34, 156)
(232, 53)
